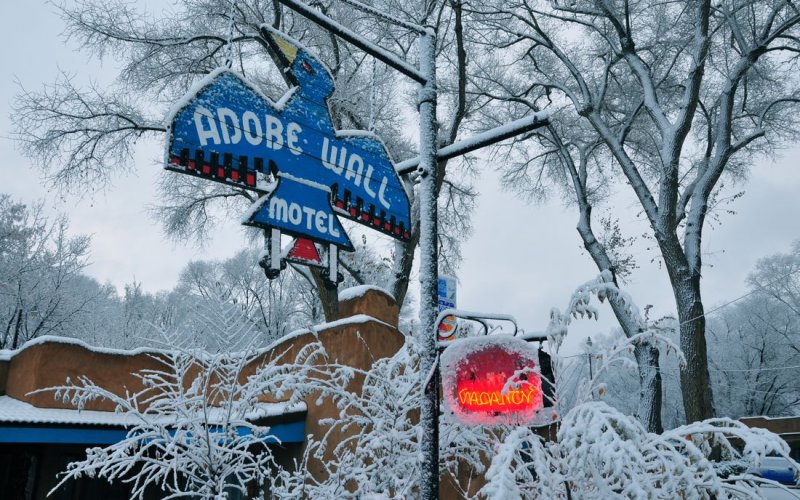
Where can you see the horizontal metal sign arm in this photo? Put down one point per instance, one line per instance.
(374, 50)
(533, 337)
(377, 13)
(476, 316)
(481, 140)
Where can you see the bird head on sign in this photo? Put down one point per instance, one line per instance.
(304, 70)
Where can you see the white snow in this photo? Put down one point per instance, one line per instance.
(470, 143)
(7, 354)
(15, 411)
(255, 207)
(300, 180)
(776, 493)
(352, 320)
(186, 99)
(369, 135)
(359, 291)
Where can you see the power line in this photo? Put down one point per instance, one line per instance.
(726, 304)
(737, 299)
(774, 368)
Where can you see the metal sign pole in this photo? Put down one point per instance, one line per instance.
(429, 249)
(428, 195)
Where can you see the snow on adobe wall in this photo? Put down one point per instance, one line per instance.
(15, 411)
(778, 425)
(358, 342)
(358, 291)
(370, 300)
(51, 339)
(47, 361)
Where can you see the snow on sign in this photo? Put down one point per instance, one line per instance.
(491, 380)
(226, 131)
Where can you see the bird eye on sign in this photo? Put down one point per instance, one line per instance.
(491, 380)
(227, 131)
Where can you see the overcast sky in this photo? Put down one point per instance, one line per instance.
(522, 259)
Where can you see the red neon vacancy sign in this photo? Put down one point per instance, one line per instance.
(492, 380)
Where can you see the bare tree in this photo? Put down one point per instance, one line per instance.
(276, 306)
(755, 359)
(670, 98)
(78, 135)
(42, 288)
(778, 276)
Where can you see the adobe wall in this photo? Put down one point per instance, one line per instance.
(778, 425)
(359, 345)
(367, 333)
(371, 301)
(48, 364)
(4, 364)
(358, 341)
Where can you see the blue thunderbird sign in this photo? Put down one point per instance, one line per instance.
(225, 130)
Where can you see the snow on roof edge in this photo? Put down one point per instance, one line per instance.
(13, 410)
(357, 319)
(7, 354)
(773, 419)
(359, 291)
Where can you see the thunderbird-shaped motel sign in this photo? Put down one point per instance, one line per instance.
(225, 130)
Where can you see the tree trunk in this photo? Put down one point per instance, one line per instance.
(7, 332)
(695, 381)
(647, 363)
(17, 328)
(328, 297)
(649, 369)
(650, 392)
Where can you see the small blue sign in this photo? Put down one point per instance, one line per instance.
(227, 131)
(447, 292)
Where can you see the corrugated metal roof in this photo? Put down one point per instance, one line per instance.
(16, 411)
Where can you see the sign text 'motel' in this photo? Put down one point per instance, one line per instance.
(225, 130)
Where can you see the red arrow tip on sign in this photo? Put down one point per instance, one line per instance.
(305, 250)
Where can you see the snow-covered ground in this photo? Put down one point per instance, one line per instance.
(780, 494)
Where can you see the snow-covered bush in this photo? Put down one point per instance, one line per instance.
(184, 439)
(379, 454)
(191, 431)
(599, 452)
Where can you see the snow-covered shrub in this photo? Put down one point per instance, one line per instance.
(602, 453)
(191, 430)
(599, 452)
(379, 455)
